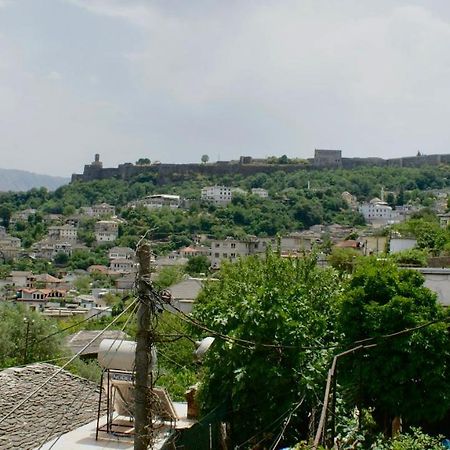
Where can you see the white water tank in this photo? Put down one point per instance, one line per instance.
(119, 355)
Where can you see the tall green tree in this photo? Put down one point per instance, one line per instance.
(287, 304)
(21, 334)
(406, 375)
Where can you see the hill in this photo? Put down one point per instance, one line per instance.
(21, 180)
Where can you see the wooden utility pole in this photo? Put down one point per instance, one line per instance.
(143, 380)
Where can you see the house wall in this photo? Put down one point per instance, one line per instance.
(398, 245)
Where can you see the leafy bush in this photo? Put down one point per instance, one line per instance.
(415, 440)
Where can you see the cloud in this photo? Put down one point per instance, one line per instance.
(138, 13)
(172, 80)
(54, 75)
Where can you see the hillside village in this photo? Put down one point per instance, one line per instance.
(70, 256)
(98, 226)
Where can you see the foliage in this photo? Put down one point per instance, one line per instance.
(82, 259)
(412, 369)
(278, 301)
(414, 440)
(197, 265)
(297, 200)
(83, 284)
(168, 276)
(85, 369)
(16, 347)
(61, 259)
(344, 259)
(143, 162)
(177, 370)
(411, 257)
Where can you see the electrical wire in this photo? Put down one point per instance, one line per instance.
(245, 343)
(286, 423)
(76, 324)
(267, 427)
(49, 435)
(20, 404)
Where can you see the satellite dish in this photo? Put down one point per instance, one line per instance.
(203, 347)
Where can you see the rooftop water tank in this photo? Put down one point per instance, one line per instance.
(117, 354)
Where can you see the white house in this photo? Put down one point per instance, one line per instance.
(103, 209)
(160, 200)
(400, 244)
(220, 195)
(121, 253)
(379, 213)
(122, 265)
(65, 232)
(99, 210)
(106, 230)
(232, 249)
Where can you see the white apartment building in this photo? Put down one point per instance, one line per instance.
(220, 195)
(99, 210)
(122, 265)
(379, 213)
(47, 249)
(103, 209)
(260, 192)
(232, 249)
(106, 231)
(121, 253)
(67, 233)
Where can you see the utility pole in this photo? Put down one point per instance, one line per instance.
(25, 350)
(144, 341)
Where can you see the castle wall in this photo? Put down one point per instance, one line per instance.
(174, 172)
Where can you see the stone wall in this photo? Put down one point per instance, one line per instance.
(173, 172)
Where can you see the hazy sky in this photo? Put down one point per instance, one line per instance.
(173, 79)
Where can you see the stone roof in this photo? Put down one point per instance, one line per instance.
(47, 278)
(64, 404)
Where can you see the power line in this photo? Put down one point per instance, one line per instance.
(20, 404)
(286, 423)
(76, 323)
(89, 390)
(244, 342)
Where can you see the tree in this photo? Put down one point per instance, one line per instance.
(61, 259)
(143, 162)
(287, 303)
(344, 259)
(197, 264)
(205, 159)
(16, 346)
(404, 376)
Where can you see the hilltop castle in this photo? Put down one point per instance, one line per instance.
(323, 159)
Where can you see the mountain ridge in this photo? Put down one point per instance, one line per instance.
(23, 180)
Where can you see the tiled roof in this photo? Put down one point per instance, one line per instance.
(65, 403)
(47, 278)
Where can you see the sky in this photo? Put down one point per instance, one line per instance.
(171, 80)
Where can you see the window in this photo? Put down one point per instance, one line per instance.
(216, 255)
(225, 255)
(233, 245)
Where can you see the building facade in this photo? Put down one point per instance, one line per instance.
(219, 195)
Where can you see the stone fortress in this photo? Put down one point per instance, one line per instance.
(323, 159)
